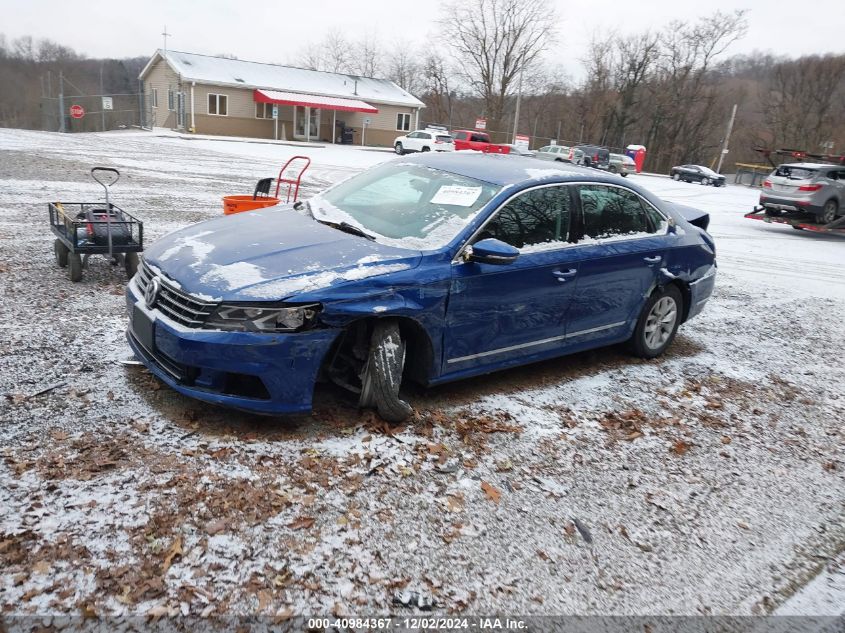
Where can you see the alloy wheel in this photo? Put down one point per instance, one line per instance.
(660, 322)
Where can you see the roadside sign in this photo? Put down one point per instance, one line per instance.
(725, 151)
(521, 140)
(553, 141)
(108, 103)
(77, 111)
(367, 120)
(481, 124)
(275, 111)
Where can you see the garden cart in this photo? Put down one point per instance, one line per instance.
(83, 229)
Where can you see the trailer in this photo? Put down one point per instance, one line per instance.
(798, 221)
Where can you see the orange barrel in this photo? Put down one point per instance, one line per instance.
(236, 204)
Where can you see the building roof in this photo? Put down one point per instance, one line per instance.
(238, 73)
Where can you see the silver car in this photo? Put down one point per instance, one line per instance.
(622, 164)
(815, 188)
(560, 153)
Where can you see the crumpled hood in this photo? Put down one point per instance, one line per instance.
(270, 255)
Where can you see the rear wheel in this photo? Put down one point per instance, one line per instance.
(676, 176)
(658, 323)
(705, 181)
(399, 149)
(382, 373)
(74, 267)
(612, 169)
(61, 252)
(426, 149)
(829, 212)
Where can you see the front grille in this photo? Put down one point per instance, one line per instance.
(176, 304)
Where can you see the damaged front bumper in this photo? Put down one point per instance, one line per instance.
(255, 372)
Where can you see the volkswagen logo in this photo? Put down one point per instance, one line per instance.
(151, 293)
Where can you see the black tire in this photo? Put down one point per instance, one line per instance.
(559, 160)
(74, 267)
(130, 263)
(612, 169)
(426, 149)
(61, 252)
(639, 342)
(382, 375)
(797, 228)
(705, 181)
(676, 176)
(399, 149)
(829, 212)
(625, 175)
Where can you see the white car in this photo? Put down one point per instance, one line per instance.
(424, 141)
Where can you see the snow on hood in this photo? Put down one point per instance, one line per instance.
(271, 255)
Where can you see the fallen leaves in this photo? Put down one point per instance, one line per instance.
(492, 492)
(302, 523)
(680, 447)
(624, 425)
(173, 551)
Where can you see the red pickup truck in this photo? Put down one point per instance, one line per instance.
(479, 141)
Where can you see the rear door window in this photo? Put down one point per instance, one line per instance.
(536, 220)
(795, 173)
(611, 211)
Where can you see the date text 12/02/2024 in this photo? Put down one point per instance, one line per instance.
(418, 623)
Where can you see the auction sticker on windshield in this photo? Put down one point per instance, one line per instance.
(456, 195)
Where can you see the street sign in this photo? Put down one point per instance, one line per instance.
(77, 111)
(275, 111)
(481, 124)
(520, 140)
(367, 120)
(108, 103)
(725, 151)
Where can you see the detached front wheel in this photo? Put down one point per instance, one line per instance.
(658, 323)
(382, 373)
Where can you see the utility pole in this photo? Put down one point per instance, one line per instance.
(727, 140)
(102, 109)
(518, 100)
(166, 35)
(61, 102)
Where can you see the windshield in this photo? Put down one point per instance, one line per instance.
(405, 205)
(706, 171)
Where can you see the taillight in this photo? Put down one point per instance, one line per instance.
(596, 158)
(809, 187)
(438, 142)
(767, 183)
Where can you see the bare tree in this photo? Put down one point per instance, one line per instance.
(492, 40)
(403, 67)
(437, 93)
(366, 56)
(331, 54)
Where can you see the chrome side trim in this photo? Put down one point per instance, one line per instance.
(511, 348)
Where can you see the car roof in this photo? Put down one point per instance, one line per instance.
(809, 165)
(504, 169)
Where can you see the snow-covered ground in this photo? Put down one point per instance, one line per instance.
(710, 481)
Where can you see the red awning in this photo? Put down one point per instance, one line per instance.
(313, 101)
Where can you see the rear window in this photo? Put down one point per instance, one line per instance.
(795, 173)
(444, 138)
(461, 136)
(480, 138)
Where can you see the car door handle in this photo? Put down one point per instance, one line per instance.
(652, 260)
(563, 275)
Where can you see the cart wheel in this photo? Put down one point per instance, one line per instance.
(74, 271)
(130, 262)
(61, 252)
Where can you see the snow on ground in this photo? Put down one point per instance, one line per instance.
(709, 481)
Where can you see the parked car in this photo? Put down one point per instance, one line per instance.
(424, 141)
(561, 154)
(519, 150)
(622, 164)
(478, 141)
(697, 173)
(818, 189)
(429, 269)
(595, 156)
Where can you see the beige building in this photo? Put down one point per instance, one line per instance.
(230, 97)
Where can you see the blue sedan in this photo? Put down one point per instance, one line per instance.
(425, 269)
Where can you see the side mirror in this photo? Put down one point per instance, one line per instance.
(491, 251)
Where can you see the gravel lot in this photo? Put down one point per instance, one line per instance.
(710, 481)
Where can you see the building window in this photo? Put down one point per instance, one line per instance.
(155, 97)
(218, 104)
(263, 110)
(171, 99)
(403, 121)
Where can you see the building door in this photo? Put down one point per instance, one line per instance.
(306, 124)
